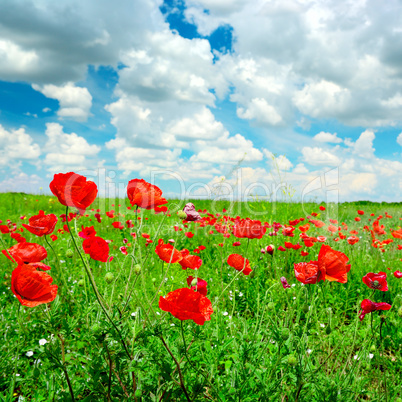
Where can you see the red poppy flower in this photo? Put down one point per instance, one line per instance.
(288, 231)
(198, 285)
(41, 224)
(322, 208)
(190, 261)
(144, 195)
(334, 264)
(308, 272)
(398, 274)
(376, 281)
(118, 225)
(87, 232)
(97, 248)
(32, 287)
(397, 233)
(4, 229)
(167, 253)
(353, 240)
(304, 228)
(185, 304)
(368, 307)
(17, 237)
(360, 212)
(24, 253)
(239, 263)
(73, 190)
(248, 228)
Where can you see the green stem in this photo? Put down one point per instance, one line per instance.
(95, 289)
(59, 270)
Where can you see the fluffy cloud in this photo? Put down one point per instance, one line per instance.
(75, 102)
(60, 39)
(23, 182)
(316, 156)
(399, 139)
(327, 137)
(17, 145)
(66, 151)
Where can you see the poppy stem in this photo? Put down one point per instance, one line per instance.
(190, 362)
(98, 296)
(183, 387)
(59, 270)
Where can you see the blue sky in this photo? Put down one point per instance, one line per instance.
(204, 97)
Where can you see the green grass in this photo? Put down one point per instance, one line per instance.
(263, 343)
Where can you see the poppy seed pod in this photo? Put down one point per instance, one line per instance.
(109, 277)
(292, 361)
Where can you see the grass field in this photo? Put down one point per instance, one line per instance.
(109, 339)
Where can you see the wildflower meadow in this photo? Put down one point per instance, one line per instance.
(150, 299)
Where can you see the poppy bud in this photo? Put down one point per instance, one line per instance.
(194, 282)
(400, 312)
(305, 308)
(292, 361)
(271, 305)
(69, 253)
(153, 279)
(109, 277)
(81, 282)
(285, 333)
(372, 348)
(96, 329)
(270, 249)
(328, 330)
(181, 215)
(137, 269)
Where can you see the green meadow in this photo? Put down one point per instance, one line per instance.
(110, 341)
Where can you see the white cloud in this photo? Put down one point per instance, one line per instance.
(316, 156)
(260, 110)
(322, 99)
(15, 61)
(75, 102)
(22, 182)
(60, 39)
(277, 161)
(17, 145)
(363, 146)
(399, 139)
(66, 151)
(327, 137)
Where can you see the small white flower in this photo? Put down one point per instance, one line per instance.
(225, 313)
(322, 325)
(293, 285)
(356, 357)
(240, 294)
(29, 353)
(42, 342)
(371, 355)
(172, 325)
(18, 375)
(133, 314)
(308, 351)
